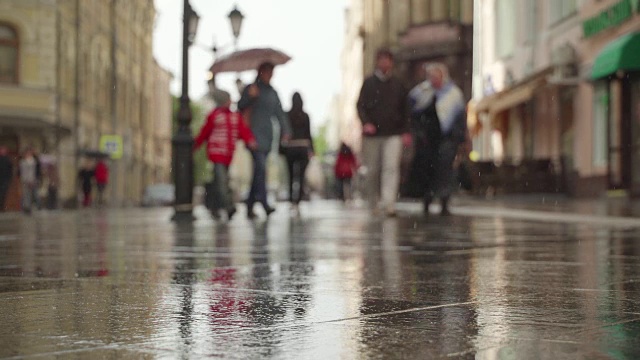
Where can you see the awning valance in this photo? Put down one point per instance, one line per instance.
(621, 54)
(33, 123)
(513, 96)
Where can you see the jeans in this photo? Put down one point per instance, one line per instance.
(258, 191)
(221, 187)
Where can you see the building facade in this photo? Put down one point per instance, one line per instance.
(90, 68)
(538, 99)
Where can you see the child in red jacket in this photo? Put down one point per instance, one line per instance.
(221, 130)
(346, 165)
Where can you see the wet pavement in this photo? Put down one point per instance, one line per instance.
(332, 283)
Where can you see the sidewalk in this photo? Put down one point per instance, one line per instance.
(558, 203)
(334, 282)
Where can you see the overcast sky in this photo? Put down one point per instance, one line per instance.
(311, 32)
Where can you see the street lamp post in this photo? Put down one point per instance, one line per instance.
(182, 142)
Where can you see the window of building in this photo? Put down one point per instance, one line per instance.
(505, 27)
(600, 121)
(531, 18)
(561, 9)
(8, 54)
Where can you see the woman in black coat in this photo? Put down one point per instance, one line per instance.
(298, 150)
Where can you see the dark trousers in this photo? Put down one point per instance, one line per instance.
(344, 188)
(4, 188)
(297, 164)
(258, 191)
(223, 194)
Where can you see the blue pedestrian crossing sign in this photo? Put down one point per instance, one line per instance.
(112, 145)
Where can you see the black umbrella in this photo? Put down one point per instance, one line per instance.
(96, 154)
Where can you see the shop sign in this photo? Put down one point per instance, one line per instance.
(611, 17)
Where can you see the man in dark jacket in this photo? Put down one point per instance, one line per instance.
(6, 175)
(382, 107)
(260, 104)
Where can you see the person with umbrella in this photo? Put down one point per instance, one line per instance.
(260, 104)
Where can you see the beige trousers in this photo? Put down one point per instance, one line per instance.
(382, 156)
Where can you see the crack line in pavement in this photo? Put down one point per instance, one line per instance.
(557, 341)
(370, 316)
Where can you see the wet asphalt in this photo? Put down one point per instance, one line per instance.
(332, 283)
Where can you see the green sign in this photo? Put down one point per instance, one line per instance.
(611, 17)
(112, 145)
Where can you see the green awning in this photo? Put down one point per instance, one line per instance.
(621, 54)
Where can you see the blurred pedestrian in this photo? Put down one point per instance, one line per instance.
(346, 166)
(102, 179)
(382, 107)
(259, 104)
(53, 178)
(438, 108)
(85, 177)
(6, 175)
(39, 180)
(298, 150)
(29, 180)
(221, 130)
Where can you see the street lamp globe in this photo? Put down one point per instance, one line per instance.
(194, 19)
(236, 17)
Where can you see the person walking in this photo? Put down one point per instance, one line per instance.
(259, 104)
(86, 176)
(298, 150)
(53, 179)
(382, 107)
(345, 167)
(221, 130)
(438, 109)
(29, 180)
(102, 179)
(6, 175)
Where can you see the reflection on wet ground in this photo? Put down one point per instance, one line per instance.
(334, 283)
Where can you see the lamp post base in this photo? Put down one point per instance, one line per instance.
(183, 174)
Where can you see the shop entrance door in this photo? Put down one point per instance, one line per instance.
(631, 114)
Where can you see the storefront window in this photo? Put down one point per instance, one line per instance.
(600, 116)
(8, 54)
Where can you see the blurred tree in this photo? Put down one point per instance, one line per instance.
(201, 168)
(320, 143)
